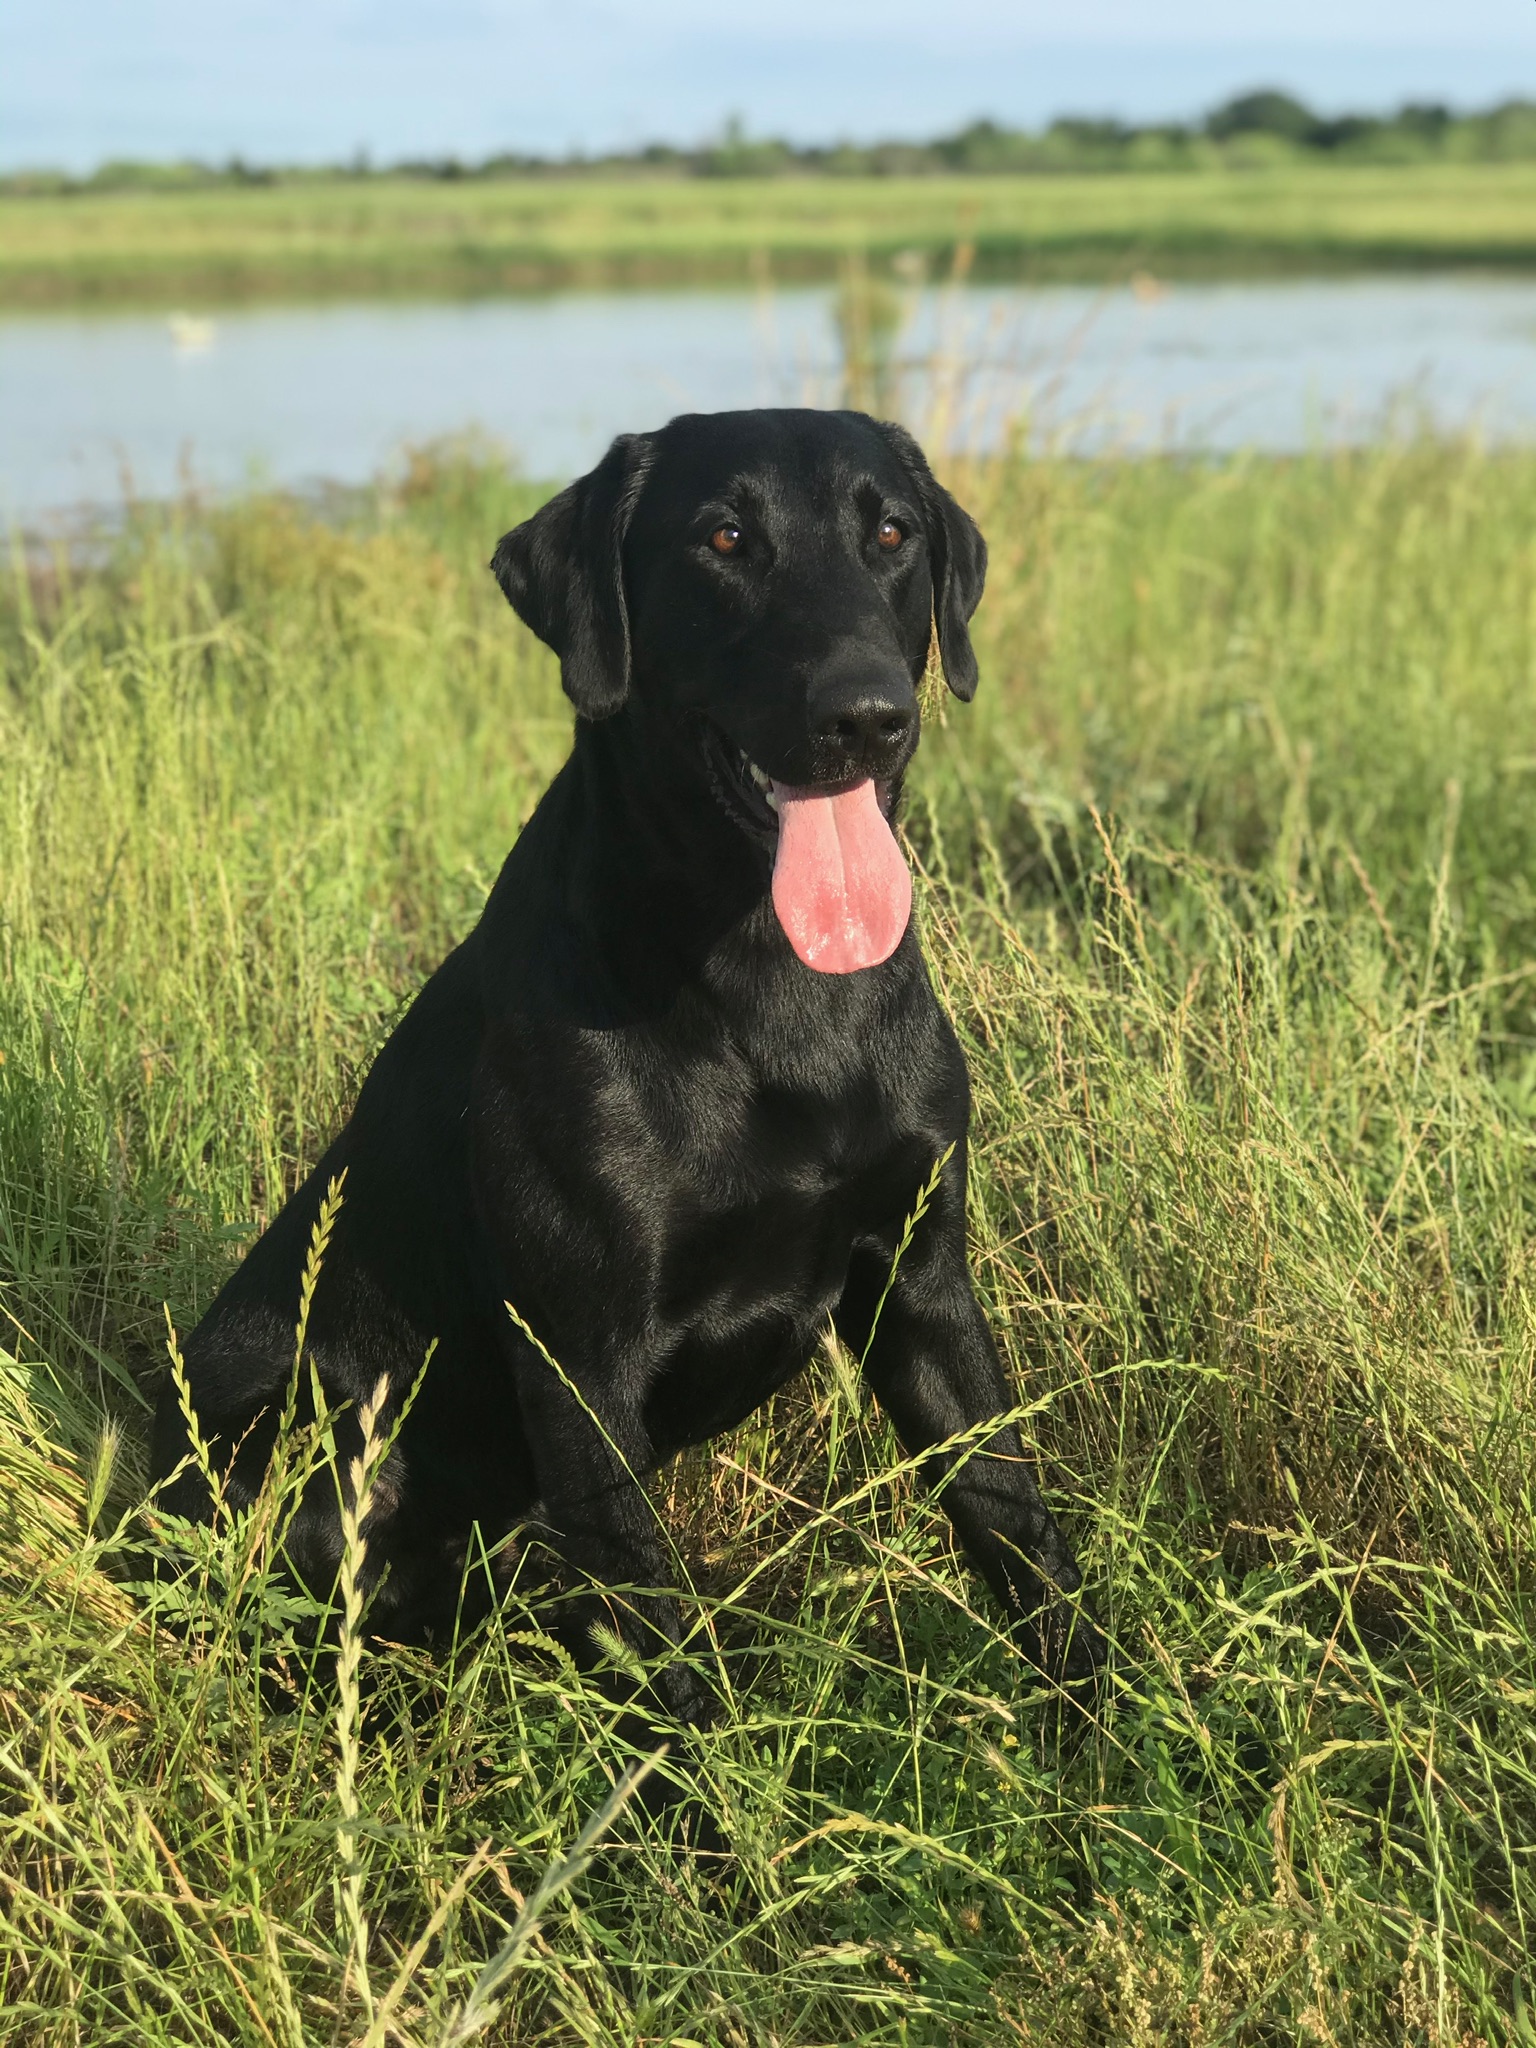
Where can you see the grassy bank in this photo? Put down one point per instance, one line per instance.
(301, 238)
(1230, 883)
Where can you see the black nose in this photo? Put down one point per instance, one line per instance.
(864, 730)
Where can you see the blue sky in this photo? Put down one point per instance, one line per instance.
(81, 80)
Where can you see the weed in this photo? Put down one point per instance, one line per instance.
(1229, 881)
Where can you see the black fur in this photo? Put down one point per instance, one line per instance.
(623, 1104)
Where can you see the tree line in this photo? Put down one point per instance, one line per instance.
(1250, 131)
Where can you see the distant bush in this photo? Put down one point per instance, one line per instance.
(1264, 113)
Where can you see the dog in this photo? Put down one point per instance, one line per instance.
(676, 1095)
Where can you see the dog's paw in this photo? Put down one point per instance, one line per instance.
(1066, 1645)
(679, 1808)
(698, 1831)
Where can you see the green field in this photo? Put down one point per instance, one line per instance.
(1229, 880)
(301, 237)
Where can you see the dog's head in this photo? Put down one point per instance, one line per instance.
(763, 588)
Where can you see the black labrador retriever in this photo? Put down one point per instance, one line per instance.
(675, 1095)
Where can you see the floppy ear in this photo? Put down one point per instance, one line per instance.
(562, 572)
(959, 557)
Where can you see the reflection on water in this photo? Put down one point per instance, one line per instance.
(294, 395)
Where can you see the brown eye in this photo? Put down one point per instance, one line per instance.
(725, 540)
(890, 534)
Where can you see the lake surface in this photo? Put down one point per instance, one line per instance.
(91, 403)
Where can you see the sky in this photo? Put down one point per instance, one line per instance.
(82, 81)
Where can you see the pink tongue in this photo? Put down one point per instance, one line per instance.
(840, 886)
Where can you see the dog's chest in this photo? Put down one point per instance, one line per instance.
(779, 1147)
(745, 1291)
(691, 1196)
(767, 1198)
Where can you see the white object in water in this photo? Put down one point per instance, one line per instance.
(191, 336)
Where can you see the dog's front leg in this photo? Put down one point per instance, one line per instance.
(929, 1359)
(589, 1450)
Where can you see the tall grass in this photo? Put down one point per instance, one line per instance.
(1227, 879)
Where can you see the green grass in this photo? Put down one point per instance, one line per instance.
(303, 237)
(1229, 880)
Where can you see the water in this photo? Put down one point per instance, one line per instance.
(295, 395)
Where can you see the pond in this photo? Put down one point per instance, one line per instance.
(93, 404)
